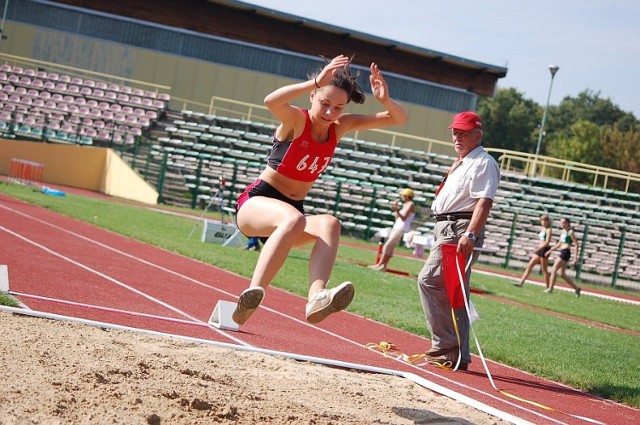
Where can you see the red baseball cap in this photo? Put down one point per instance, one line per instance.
(466, 121)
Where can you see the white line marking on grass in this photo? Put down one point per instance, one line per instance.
(562, 288)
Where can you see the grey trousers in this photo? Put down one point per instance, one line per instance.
(433, 292)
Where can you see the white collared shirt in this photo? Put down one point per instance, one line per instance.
(476, 176)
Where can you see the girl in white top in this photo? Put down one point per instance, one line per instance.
(404, 218)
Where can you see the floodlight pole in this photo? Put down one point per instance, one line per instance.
(553, 69)
(4, 18)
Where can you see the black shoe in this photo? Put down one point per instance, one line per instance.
(463, 366)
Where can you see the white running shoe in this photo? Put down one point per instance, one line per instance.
(326, 302)
(248, 302)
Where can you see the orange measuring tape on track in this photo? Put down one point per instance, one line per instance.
(454, 281)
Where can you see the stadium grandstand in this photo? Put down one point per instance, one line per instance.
(176, 89)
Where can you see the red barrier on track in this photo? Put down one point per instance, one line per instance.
(26, 172)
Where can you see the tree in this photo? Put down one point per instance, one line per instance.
(509, 120)
(587, 106)
(580, 144)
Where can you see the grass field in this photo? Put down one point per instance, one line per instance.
(515, 326)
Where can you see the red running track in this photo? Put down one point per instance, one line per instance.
(62, 266)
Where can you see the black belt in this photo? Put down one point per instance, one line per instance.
(454, 216)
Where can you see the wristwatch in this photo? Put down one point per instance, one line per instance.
(470, 236)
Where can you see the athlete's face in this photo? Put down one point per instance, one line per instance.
(328, 103)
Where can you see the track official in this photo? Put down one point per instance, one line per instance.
(461, 207)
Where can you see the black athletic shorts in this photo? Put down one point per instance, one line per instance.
(262, 188)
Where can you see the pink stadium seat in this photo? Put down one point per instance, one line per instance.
(68, 128)
(137, 92)
(13, 79)
(80, 101)
(127, 110)
(57, 97)
(30, 72)
(150, 94)
(68, 98)
(37, 84)
(73, 108)
(99, 93)
(119, 117)
(8, 88)
(136, 100)
(103, 135)
(89, 83)
(99, 124)
(101, 85)
(96, 113)
(129, 139)
(107, 115)
(92, 103)
(132, 120)
(115, 107)
(110, 96)
(3, 76)
(73, 89)
(144, 122)
(33, 93)
(30, 120)
(86, 121)
(14, 98)
(26, 101)
(20, 91)
(139, 112)
(42, 75)
(152, 115)
(17, 70)
(53, 76)
(91, 132)
(65, 79)
(158, 104)
(25, 81)
(122, 97)
(63, 107)
(146, 102)
(54, 125)
(50, 104)
(84, 111)
(61, 87)
(117, 138)
(136, 131)
(114, 88)
(105, 106)
(5, 67)
(49, 85)
(45, 95)
(85, 91)
(3, 97)
(126, 90)
(77, 81)
(38, 103)
(164, 97)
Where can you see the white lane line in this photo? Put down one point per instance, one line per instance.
(108, 309)
(119, 283)
(424, 371)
